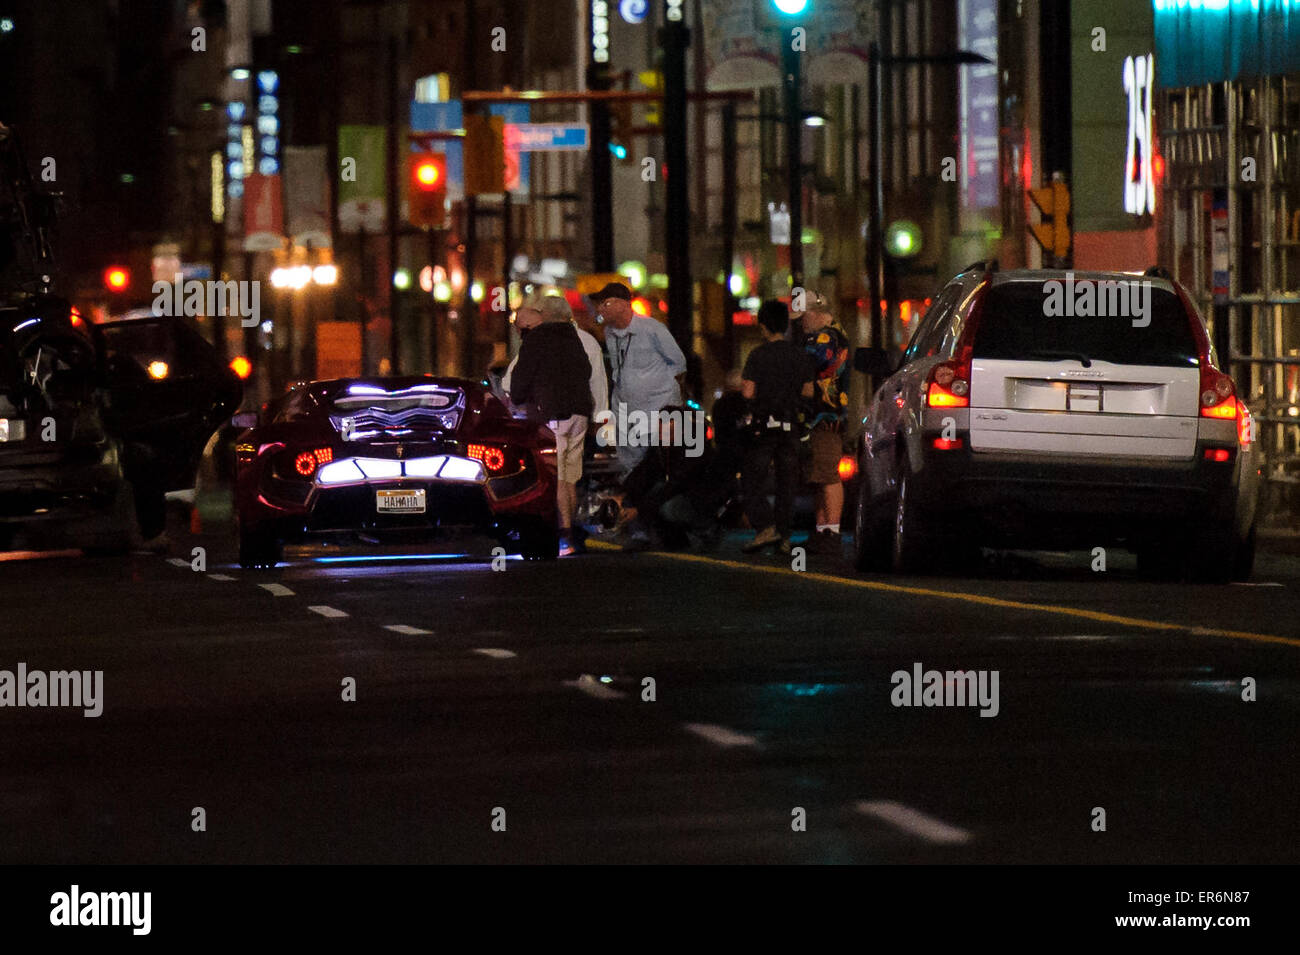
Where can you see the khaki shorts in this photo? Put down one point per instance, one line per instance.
(827, 449)
(570, 436)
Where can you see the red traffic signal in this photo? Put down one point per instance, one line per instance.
(117, 279)
(427, 189)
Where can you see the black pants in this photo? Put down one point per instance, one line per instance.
(779, 450)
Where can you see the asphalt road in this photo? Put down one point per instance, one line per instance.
(521, 690)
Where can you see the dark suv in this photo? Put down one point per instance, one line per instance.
(99, 422)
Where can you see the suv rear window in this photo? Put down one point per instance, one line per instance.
(1015, 325)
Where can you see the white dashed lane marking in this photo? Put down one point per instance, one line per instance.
(720, 735)
(327, 611)
(220, 577)
(178, 562)
(914, 821)
(495, 653)
(407, 631)
(277, 590)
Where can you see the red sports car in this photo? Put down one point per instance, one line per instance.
(392, 458)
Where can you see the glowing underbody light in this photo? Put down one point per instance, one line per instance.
(376, 558)
(441, 467)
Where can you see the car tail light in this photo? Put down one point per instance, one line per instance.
(1218, 455)
(307, 462)
(947, 444)
(847, 468)
(494, 459)
(949, 386)
(1218, 396)
(949, 382)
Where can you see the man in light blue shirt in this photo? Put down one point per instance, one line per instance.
(644, 362)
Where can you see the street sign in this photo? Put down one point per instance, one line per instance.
(547, 137)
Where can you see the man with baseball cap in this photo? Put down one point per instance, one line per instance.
(828, 347)
(644, 362)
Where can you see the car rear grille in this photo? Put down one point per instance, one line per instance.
(372, 422)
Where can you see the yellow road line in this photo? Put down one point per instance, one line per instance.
(1097, 615)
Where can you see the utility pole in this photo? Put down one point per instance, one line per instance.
(729, 224)
(875, 231)
(391, 206)
(602, 174)
(468, 310)
(792, 80)
(675, 38)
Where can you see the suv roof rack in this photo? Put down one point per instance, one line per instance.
(991, 265)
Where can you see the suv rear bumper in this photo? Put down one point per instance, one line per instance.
(1062, 499)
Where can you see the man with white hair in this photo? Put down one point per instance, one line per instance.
(533, 312)
(554, 371)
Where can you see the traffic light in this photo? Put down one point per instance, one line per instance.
(1053, 233)
(117, 278)
(427, 189)
(485, 155)
(620, 115)
(653, 80)
(775, 14)
(903, 239)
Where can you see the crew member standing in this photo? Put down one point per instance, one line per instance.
(777, 374)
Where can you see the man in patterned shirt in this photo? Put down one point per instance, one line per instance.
(829, 348)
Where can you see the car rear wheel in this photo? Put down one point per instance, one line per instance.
(912, 547)
(871, 541)
(258, 549)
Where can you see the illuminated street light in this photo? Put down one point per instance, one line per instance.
(325, 274)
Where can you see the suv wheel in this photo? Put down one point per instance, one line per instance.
(911, 544)
(1243, 557)
(871, 540)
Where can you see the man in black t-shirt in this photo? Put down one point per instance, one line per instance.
(777, 374)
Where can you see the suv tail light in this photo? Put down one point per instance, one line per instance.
(948, 386)
(949, 382)
(1218, 396)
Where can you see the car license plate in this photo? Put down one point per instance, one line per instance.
(400, 502)
(12, 429)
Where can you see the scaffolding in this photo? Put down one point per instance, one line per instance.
(1231, 232)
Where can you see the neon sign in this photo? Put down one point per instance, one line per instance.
(1139, 184)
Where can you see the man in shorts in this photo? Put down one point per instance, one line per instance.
(828, 347)
(554, 374)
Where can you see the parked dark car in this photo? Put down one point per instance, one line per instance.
(99, 422)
